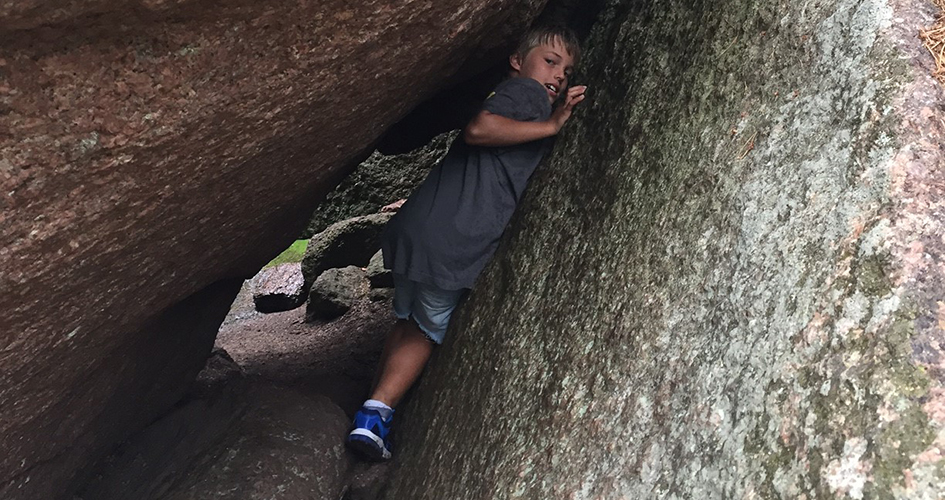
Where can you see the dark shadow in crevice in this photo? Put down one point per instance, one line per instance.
(452, 107)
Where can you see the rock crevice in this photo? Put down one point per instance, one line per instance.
(726, 282)
(150, 150)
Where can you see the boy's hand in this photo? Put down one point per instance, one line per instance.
(393, 207)
(492, 130)
(563, 112)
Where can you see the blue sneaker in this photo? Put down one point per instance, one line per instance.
(369, 436)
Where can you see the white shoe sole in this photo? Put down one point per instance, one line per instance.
(385, 454)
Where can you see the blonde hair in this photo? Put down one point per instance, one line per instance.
(549, 34)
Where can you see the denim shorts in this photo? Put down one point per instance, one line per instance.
(428, 305)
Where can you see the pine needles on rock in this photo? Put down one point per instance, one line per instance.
(934, 39)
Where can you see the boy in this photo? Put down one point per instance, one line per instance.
(448, 229)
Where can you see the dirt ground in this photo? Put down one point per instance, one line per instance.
(335, 358)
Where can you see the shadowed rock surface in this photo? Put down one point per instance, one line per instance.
(249, 442)
(367, 481)
(153, 151)
(233, 398)
(728, 282)
(149, 464)
(349, 242)
(335, 359)
(288, 445)
(377, 274)
(335, 291)
(377, 181)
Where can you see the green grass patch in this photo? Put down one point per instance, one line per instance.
(292, 254)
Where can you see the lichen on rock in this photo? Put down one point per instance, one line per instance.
(723, 284)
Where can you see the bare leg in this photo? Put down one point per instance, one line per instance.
(405, 354)
(393, 338)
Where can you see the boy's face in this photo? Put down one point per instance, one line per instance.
(550, 64)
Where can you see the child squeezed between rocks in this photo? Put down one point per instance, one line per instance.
(449, 228)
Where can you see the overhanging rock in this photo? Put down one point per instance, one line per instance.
(728, 282)
(155, 150)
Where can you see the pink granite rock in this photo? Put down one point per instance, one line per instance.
(155, 153)
(279, 288)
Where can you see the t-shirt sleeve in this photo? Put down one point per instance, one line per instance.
(520, 99)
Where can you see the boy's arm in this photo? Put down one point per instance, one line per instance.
(488, 129)
(492, 130)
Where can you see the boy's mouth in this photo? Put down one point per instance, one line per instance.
(552, 89)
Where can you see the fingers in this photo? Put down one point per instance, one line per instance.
(577, 92)
(574, 92)
(574, 98)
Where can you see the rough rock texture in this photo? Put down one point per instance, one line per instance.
(379, 294)
(242, 307)
(349, 242)
(151, 462)
(150, 149)
(377, 274)
(253, 443)
(288, 445)
(335, 291)
(376, 182)
(279, 288)
(367, 481)
(728, 282)
(152, 372)
(334, 359)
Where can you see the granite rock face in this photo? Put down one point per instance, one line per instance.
(727, 282)
(288, 445)
(377, 181)
(254, 441)
(149, 464)
(152, 151)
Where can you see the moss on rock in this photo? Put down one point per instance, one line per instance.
(719, 286)
(377, 181)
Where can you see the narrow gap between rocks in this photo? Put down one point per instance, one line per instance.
(296, 353)
(305, 332)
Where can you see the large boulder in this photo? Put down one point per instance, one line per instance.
(151, 462)
(377, 181)
(258, 442)
(288, 445)
(336, 291)
(728, 281)
(350, 242)
(154, 153)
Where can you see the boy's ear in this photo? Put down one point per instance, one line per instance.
(515, 61)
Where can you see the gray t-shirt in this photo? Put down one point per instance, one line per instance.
(448, 229)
